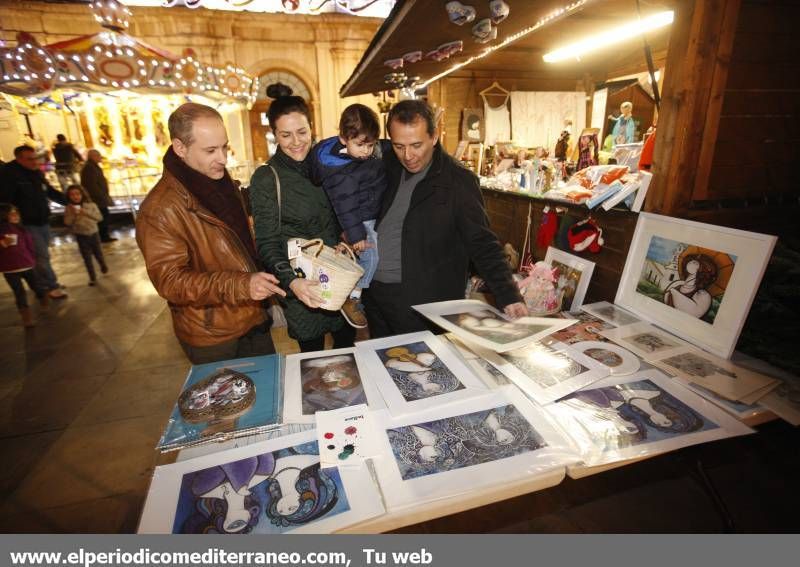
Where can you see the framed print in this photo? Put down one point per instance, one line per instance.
(572, 276)
(475, 156)
(646, 414)
(324, 381)
(645, 340)
(610, 313)
(482, 368)
(417, 371)
(479, 323)
(694, 366)
(695, 280)
(272, 487)
(472, 127)
(466, 446)
(547, 373)
(461, 149)
(616, 359)
(586, 328)
(225, 399)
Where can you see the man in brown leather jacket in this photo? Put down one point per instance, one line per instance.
(195, 237)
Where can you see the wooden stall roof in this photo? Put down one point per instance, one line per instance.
(419, 25)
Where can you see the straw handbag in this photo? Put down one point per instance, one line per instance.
(336, 273)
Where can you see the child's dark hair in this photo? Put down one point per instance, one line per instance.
(359, 120)
(84, 195)
(5, 211)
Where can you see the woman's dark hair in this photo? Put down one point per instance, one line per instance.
(359, 120)
(5, 211)
(706, 273)
(409, 111)
(284, 103)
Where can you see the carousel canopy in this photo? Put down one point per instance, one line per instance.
(113, 60)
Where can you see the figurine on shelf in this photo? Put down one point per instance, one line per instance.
(587, 149)
(539, 290)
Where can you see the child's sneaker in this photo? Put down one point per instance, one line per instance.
(354, 314)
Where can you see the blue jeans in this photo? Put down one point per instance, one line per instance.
(368, 259)
(41, 244)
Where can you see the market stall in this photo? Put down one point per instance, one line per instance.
(112, 92)
(525, 116)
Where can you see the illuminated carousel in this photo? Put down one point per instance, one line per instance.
(115, 93)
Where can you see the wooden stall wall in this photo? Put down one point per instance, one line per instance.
(751, 181)
(730, 123)
(457, 93)
(508, 215)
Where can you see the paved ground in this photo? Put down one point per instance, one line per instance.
(84, 397)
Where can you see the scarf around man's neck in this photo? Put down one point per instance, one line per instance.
(216, 195)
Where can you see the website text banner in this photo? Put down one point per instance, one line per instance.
(392, 551)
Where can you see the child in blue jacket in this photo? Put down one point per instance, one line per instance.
(350, 169)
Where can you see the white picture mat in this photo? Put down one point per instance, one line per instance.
(595, 309)
(728, 426)
(363, 496)
(365, 440)
(435, 312)
(746, 382)
(400, 493)
(619, 335)
(630, 362)
(395, 401)
(738, 410)
(293, 385)
(586, 267)
(752, 251)
(490, 376)
(544, 395)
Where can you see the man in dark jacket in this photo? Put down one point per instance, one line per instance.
(432, 224)
(67, 159)
(23, 185)
(94, 181)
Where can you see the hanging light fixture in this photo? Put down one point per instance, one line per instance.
(610, 37)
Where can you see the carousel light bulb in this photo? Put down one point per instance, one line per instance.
(114, 84)
(109, 54)
(136, 82)
(90, 58)
(90, 67)
(34, 75)
(23, 68)
(5, 77)
(27, 77)
(84, 78)
(125, 84)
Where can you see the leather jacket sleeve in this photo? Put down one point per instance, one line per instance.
(166, 255)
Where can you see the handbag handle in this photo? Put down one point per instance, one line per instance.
(277, 192)
(318, 242)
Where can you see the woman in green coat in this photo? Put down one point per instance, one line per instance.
(304, 213)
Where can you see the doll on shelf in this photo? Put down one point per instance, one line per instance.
(586, 151)
(624, 131)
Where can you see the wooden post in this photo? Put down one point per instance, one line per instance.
(695, 77)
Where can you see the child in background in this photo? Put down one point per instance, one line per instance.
(350, 169)
(17, 259)
(83, 215)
